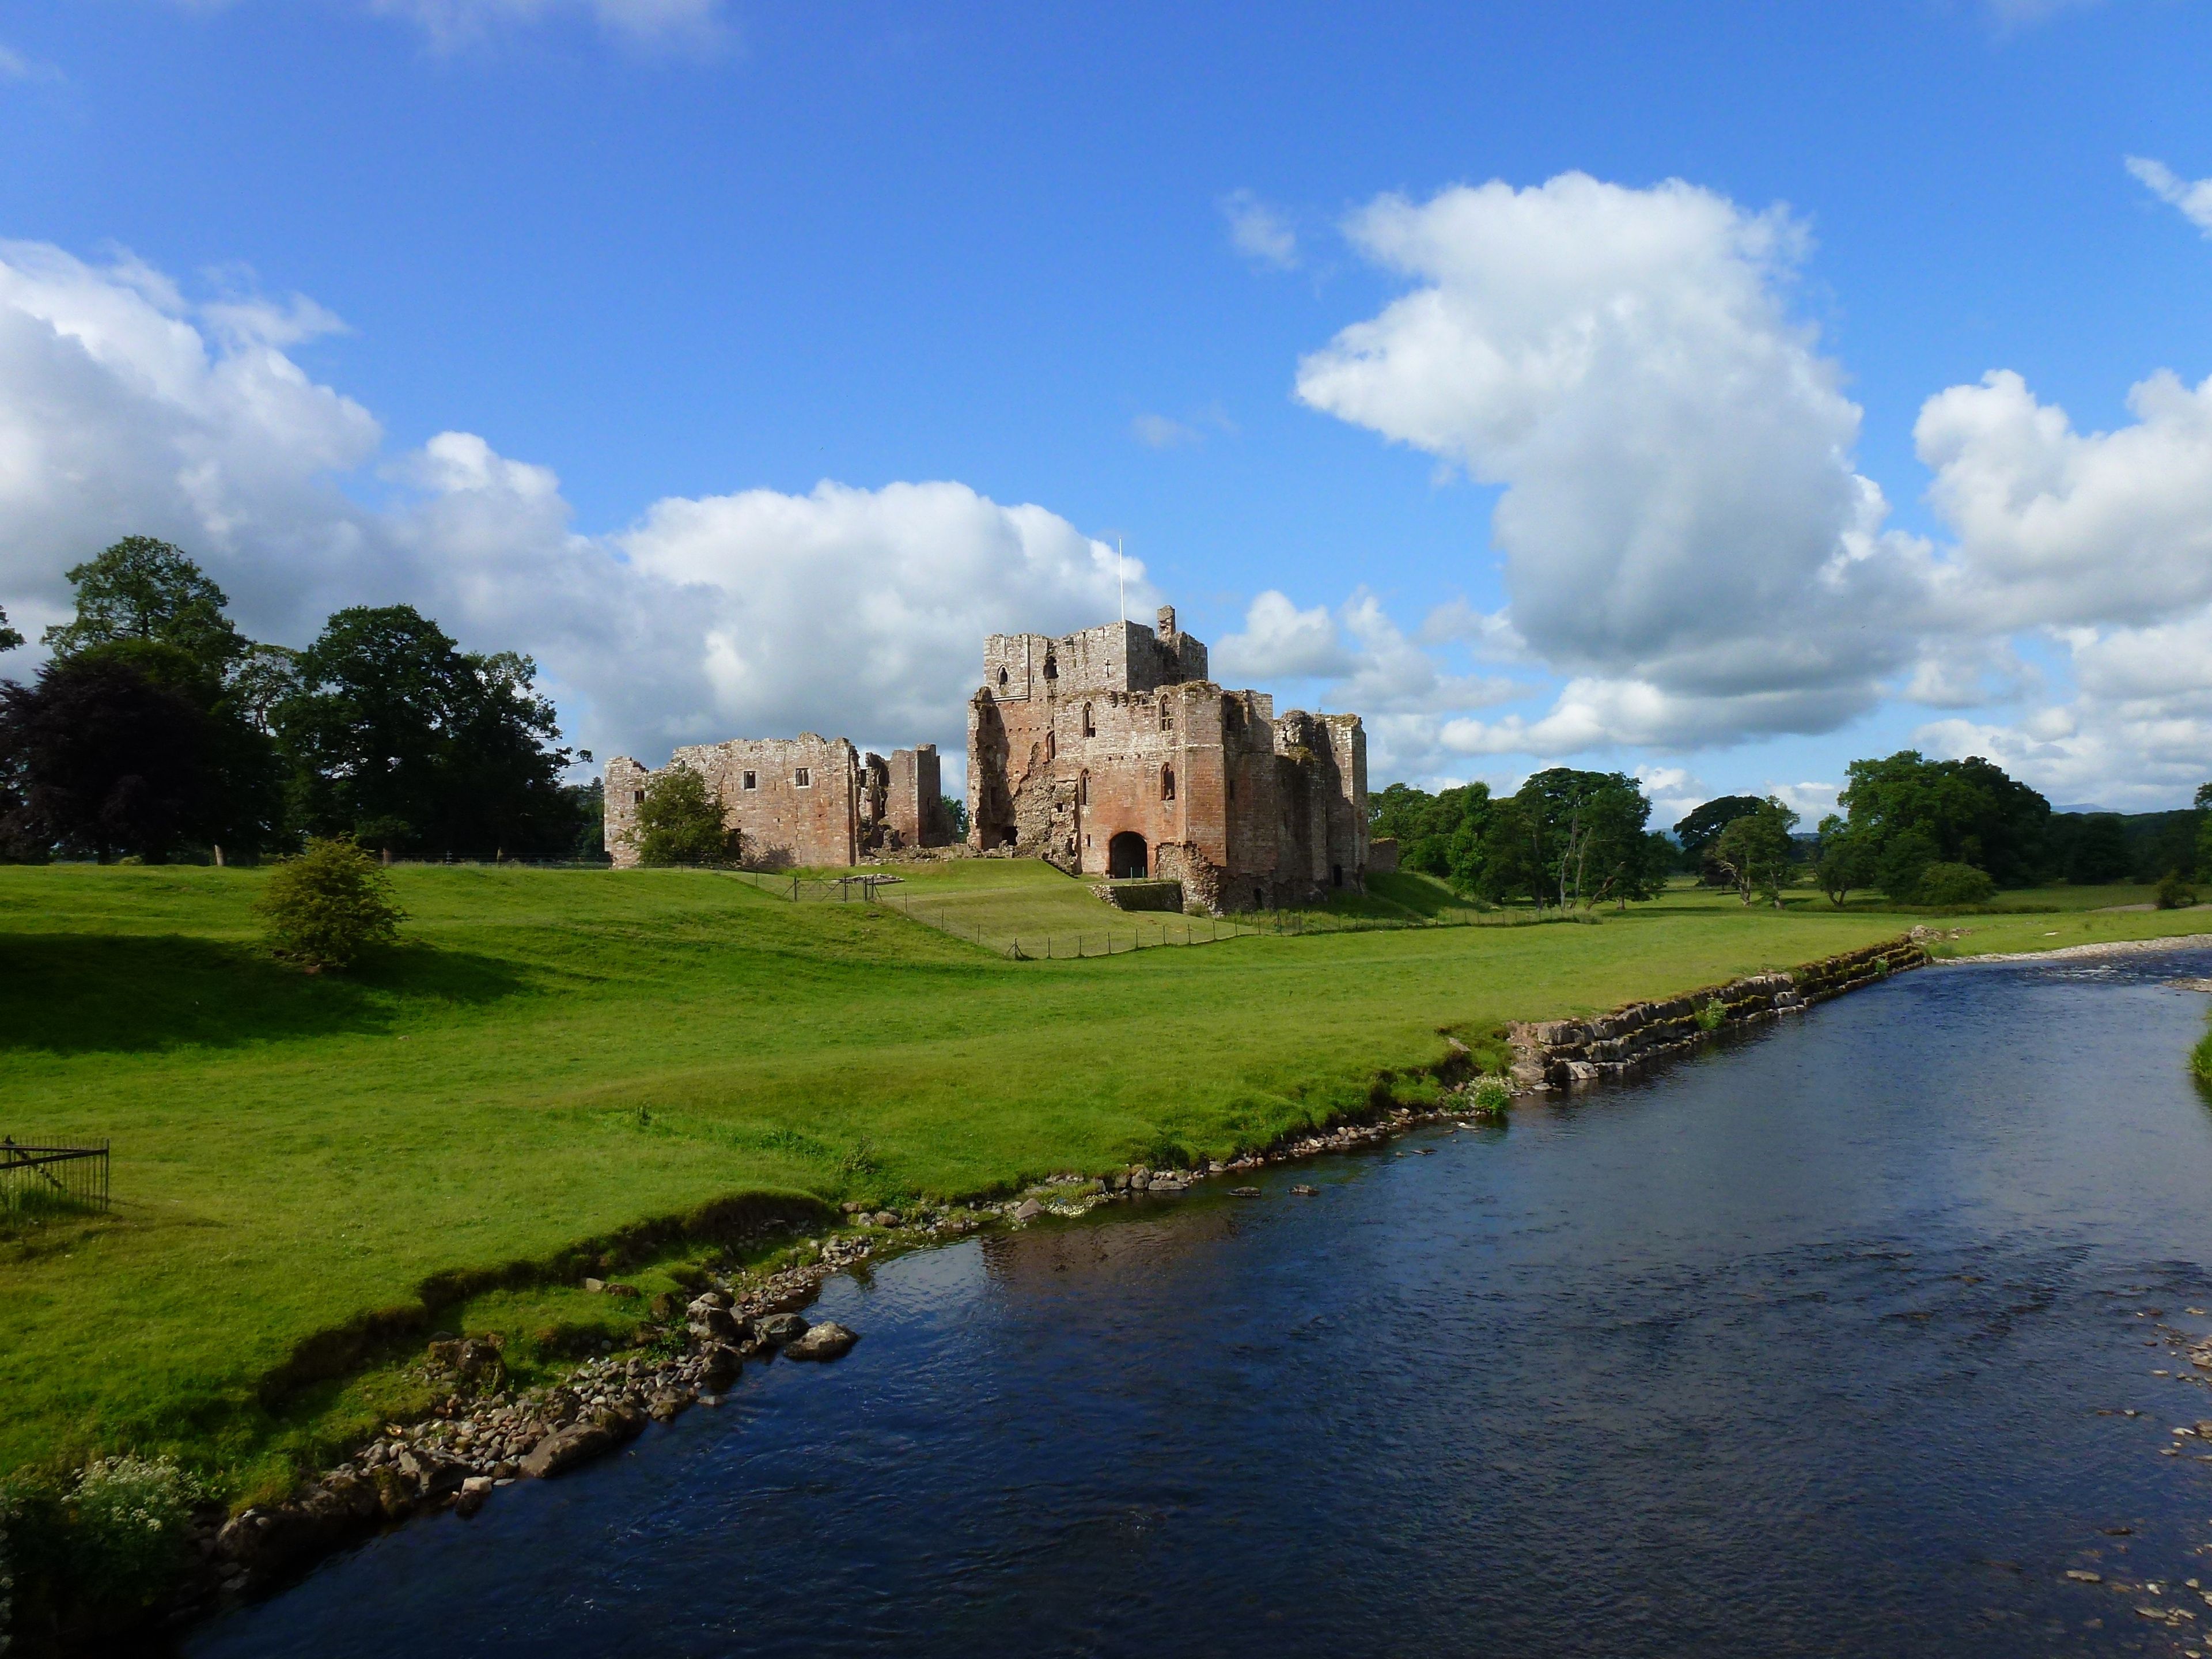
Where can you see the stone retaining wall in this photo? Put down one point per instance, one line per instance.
(1559, 1054)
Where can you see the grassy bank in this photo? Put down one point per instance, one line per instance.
(561, 1054)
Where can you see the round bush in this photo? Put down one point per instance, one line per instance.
(1947, 886)
(330, 905)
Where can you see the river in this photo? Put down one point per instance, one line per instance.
(1821, 1342)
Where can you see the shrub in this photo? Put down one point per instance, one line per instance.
(2200, 1059)
(1711, 1015)
(680, 822)
(1947, 886)
(2175, 892)
(1492, 1097)
(327, 906)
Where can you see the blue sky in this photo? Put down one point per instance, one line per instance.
(551, 315)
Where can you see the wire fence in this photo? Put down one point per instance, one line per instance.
(36, 1178)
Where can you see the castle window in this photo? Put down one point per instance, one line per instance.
(1167, 718)
(1051, 668)
(1089, 730)
(1232, 789)
(1167, 783)
(805, 780)
(1052, 745)
(1002, 676)
(637, 798)
(752, 781)
(1083, 790)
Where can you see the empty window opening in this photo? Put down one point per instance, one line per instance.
(1051, 668)
(1232, 788)
(1002, 676)
(1167, 718)
(1083, 790)
(1052, 745)
(805, 779)
(637, 798)
(1127, 857)
(1336, 875)
(1089, 729)
(1167, 783)
(752, 781)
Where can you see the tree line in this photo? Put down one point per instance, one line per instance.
(157, 731)
(1916, 830)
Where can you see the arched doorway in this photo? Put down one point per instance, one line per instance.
(1125, 857)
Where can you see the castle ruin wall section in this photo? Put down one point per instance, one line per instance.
(793, 801)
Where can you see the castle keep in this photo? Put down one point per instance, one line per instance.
(1110, 753)
(803, 800)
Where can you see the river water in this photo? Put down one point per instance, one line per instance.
(1821, 1342)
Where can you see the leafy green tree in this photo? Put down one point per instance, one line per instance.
(397, 735)
(1587, 830)
(1755, 850)
(329, 905)
(2203, 805)
(1512, 854)
(1439, 834)
(9, 637)
(2176, 891)
(956, 814)
(680, 822)
(1902, 860)
(1845, 860)
(1696, 832)
(1952, 886)
(2100, 852)
(144, 589)
(1968, 812)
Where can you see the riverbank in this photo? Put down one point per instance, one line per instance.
(574, 1074)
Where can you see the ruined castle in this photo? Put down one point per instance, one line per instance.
(1107, 753)
(1110, 753)
(803, 801)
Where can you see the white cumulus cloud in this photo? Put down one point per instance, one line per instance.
(1683, 529)
(126, 409)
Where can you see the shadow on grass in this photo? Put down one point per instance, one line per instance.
(82, 994)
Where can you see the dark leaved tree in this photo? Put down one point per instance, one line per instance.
(398, 736)
(1697, 830)
(1755, 850)
(103, 758)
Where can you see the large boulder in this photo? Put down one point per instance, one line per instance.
(828, 1340)
(779, 1328)
(564, 1449)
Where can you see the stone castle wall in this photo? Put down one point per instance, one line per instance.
(801, 800)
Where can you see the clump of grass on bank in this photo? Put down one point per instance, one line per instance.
(554, 1056)
(2200, 1059)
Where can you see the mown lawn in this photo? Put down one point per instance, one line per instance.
(557, 1054)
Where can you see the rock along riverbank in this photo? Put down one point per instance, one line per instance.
(481, 1435)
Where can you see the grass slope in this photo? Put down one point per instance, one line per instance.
(558, 1054)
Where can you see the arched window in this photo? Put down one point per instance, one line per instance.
(1089, 729)
(1002, 676)
(1167, 783)
(1167, 716)
(1083, 790)
(1051, 668)
(1052, 745)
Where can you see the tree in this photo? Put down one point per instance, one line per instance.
(398, 736)
(1586, 834)
(1439, 834)
(956, 814)
(1698, 831)
(2100, 851)
(9, 637)
(1843, 861)
(680, 822)
(1967, 811)
(2204, 804)
(143, 589)
(1755, 850)
(1951, 886)
(330, 905)
(1511, 860)
(102, 758)
(1902, 860)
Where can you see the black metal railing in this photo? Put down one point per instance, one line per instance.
(33, 1178)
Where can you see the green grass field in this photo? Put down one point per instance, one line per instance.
(556, 1054)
